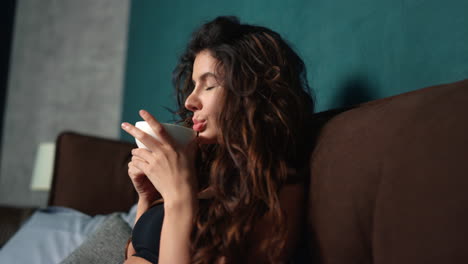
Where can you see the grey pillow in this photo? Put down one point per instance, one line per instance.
(105, 245)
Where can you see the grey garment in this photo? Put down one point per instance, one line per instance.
(105, 245)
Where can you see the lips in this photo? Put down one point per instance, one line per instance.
(199, 125)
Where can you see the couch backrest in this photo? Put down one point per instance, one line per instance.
(90, 174)
(389, 181)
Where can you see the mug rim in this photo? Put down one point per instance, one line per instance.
(168, 124)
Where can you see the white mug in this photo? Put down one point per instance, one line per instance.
(180, 134)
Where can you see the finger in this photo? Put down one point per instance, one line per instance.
(143, 137)
(137, 158)
(158, 129)
(134, 172)
(141, 165)
(142, 154)
(132, 165)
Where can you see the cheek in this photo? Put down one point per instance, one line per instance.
(213, 105)
(217, 104)
(214, 110)
(215, 115)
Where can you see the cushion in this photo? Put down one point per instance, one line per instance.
(388, 181)
(105, 245)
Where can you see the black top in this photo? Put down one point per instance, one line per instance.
(147, 233)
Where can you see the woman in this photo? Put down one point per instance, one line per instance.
(236, 193)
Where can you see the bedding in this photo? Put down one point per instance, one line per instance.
(51, 234)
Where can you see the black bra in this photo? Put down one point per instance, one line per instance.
(147, 233)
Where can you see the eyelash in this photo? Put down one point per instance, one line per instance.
(209, 88)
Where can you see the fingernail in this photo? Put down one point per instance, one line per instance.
(124, 125)
(142, 112)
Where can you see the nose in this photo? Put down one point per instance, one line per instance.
(193, 103)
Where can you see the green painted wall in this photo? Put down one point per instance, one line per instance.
(355, 51)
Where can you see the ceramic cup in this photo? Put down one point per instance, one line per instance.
(181, 135)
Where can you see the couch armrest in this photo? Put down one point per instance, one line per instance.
(90, 174)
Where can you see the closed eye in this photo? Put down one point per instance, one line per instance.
(209, 88)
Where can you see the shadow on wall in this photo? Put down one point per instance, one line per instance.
(355, 90)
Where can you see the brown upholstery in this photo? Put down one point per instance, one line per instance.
(389, 181)
(90, 174)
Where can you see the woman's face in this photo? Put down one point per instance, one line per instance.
(205, 99)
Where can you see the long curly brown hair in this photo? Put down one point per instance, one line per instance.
(266, 105)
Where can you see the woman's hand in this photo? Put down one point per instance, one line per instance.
(143, 186)
(169, 167)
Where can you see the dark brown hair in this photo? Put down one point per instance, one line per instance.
(266, 106)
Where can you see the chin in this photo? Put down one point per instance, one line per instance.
(207, 138)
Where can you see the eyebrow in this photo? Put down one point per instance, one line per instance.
(204, 76)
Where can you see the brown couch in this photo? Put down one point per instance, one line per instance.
(389, 179)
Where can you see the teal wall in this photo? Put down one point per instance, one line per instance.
(355, 51)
